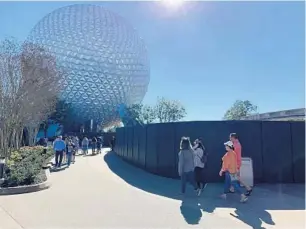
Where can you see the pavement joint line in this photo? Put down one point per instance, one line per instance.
(16, 221)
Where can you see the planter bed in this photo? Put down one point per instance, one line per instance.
(28, 188)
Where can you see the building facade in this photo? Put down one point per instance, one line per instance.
(286, 115)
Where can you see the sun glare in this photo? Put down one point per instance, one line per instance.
(173, 3)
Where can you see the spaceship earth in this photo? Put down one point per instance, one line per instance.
(105, 60)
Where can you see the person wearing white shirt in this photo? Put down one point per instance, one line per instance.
(199, 163)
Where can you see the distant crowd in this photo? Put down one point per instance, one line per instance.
(66, 149)
(193, 160)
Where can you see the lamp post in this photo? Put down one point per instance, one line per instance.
(2, 163)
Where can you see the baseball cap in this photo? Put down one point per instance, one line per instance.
(229, 143)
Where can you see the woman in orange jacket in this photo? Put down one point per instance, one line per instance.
(230, 168)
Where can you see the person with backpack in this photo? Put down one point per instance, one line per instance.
(199, 163)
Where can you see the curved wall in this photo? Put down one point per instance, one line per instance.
(276, 148)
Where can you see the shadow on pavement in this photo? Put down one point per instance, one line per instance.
(140, 179)
(90, 155)
(55, 170)
(252, 217)
(191, 210)
(264, 197)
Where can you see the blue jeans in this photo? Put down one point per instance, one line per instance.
(58, 158)
(69, 155)
(85, 149)
(228, 182)
(188, 177)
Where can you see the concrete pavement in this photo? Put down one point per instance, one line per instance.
(104, 192)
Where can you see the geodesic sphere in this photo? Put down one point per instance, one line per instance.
(105, 60)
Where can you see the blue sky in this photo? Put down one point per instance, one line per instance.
(206, 54)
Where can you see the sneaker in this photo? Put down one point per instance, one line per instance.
(243, 199)
(223, 196)
(248, 192)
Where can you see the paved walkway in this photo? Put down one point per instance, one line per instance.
(104, 192)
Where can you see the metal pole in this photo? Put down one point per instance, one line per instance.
(2, 163)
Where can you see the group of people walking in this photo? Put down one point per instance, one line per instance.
(193, 159)
(66, 150)
(96, 145)
(191, 165)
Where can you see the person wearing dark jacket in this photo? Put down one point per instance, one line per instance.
(113, 143)
(94, 145)
(99, 145)
(70, 147)
(199, 163)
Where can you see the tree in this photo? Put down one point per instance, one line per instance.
(29, 83)
(62, 115)
(148, 114)
(133, 113)
(164, 111)
(169, 110)
(240, 109)
(63, 112)
(139, 113)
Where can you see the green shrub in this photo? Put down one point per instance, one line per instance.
(24, 167)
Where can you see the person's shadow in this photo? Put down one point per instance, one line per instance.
(252, 213)
(191, 210)
(253, 217)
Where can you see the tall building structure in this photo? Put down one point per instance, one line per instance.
(105, 60)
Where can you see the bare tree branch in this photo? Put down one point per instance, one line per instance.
(29, 84)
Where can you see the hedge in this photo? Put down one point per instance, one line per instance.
(24, 167)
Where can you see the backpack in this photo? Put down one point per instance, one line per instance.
(204, 157)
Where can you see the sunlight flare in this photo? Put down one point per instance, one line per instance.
(173, 3)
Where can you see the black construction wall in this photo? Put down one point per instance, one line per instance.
(129, 136)
(276, 148)
(142, 146)
(276, 152)
(165, 149)
(151, 149)
(298, 152)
